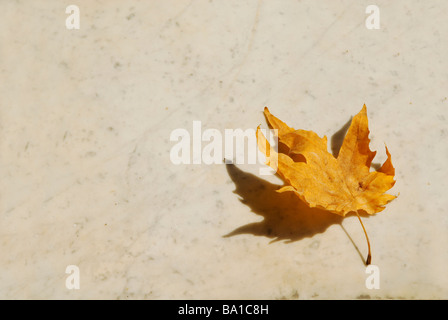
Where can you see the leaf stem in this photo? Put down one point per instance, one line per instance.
(369, 256)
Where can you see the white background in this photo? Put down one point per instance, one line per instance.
(85, 173)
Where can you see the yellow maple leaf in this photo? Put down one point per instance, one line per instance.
(340, 185)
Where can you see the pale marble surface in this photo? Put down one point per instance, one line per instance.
(86, 178)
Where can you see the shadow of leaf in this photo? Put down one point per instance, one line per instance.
(338, 138)
(286, 217)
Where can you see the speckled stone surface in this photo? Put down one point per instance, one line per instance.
(86, 177)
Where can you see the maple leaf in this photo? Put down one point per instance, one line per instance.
(340, 185)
